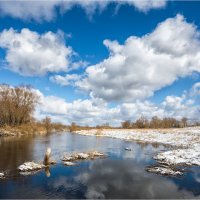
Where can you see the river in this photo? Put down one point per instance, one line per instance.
(120, 175)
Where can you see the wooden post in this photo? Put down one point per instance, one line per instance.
(47, 157)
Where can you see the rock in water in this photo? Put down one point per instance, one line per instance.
(128, 149)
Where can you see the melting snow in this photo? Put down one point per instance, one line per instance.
(30, 166)
(164, 170)
(2, 175)
(82, 156)
(186, 139)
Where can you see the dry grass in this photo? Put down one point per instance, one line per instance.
(31, 128)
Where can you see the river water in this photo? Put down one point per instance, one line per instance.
(120, 175)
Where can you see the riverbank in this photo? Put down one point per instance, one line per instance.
(28, 129)
(179, 137)
(185, 140)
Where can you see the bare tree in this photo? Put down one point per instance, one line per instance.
(73, 127)
(184, 121)
(142, 122)
(155, 122)
(126, 124)
(47, 124)
(16, 104)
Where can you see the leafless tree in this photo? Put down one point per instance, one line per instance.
(126, 124)
(142, 122)
(73, 127)
(47, 124)
(16, 104)
(184, 121)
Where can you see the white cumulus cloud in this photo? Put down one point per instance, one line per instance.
(142, 65)
(48, 10)
(30, 53)
(144, 5)
(68, 79)
(196, 89)
(96, 111)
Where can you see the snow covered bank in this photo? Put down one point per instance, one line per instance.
(190, 156)
(182, 137)
(187, 140)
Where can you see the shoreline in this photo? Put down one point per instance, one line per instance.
(185, 141)
(177, 137)
(29, 130)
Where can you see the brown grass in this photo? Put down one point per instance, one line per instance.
(31, 128)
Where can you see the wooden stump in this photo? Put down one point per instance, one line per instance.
(47, 160)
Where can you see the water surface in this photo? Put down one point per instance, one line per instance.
(121, 175)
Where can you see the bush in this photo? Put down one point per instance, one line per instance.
(73, 127)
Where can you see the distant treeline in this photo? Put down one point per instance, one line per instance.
(140, 123)
(17, 105)
(156, 122)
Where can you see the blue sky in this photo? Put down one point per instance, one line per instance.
(82, 29)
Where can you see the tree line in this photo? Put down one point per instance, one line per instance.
(156, 122)
(142, 122)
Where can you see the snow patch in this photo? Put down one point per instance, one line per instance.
(68, 163)
(163, 170)
(180, 137)
(186, 139)
(190, 156)
(82, 156)
(30, 166)
(2, 175)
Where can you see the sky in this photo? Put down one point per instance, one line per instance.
(96, 62)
